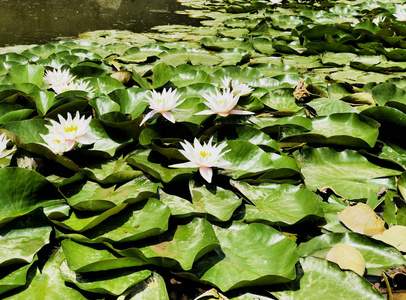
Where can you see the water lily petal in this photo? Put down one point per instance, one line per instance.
(241, 112)
(169, 116)
(207, 173)
(148, 116)
(185, 165)
(205, 112)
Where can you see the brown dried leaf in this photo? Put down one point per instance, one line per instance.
(211, 295)
(122, 76)
(362, 219)
(347, 258)
(300, 90)
(395, 236)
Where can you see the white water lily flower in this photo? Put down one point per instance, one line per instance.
(73, 86)
(237, 88)
(56, 143)
(222, 103)
(72, 130)
(3, 145)
(400, 14)
(378, 19)
(275, 2)
(58, 77)
(203, 157)
(162, 103)
(3, 142)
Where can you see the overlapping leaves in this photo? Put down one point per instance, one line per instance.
(118, 211)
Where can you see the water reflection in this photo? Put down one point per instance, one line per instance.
(41, 21)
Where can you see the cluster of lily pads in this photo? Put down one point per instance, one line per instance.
(261, 154)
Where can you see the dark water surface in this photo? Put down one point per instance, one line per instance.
(42, 21)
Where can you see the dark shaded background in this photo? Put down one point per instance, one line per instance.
(42, 21)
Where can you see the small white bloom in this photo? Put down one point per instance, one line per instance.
(378, 19)
(73, 86)
(72, 130)
(162, 103)
(237, 88)
(273, 2)
(56, 143)
(3, 142)
(3, 145)
(203, 157)
(57, 77)
(400, 14)
(222, 104)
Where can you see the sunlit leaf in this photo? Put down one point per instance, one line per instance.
(322, 279)
(378, 255)
(347, 257)
(362, 219)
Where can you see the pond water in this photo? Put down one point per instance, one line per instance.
(42, 21)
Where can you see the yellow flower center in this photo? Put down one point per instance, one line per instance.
(160, 100)
(58, 141)
(204, 154)
(220, 101)
(71, 128)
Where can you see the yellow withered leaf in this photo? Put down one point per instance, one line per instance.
(347, 258)
(395, 236)
(362, 219)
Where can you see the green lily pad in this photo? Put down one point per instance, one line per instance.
(281, 100)
(378, 255)
(338, 129)
(27, 191)
(13, 112)
(48, 284)
(392, 122)
(141, 160)
(213, 200)
(105, 146)
(83, 259)
(93, 197)
(327, 106)
(104, 104)
(347, 172)
(233, 56)
(28, 130)
(218, 44)
(131, 224)
(44, 101)
(161, 74)
(321, 278)
(387, 93)
(82, 221)
(179, 207)
(176, 57)
(104, 85)
(111, 171)
(271, 125)
(27, 74)
(114, 282)
(248, 160)
(249, 134)
(151, 288)
(279, 204)
(15, 279)
(242, 261)
(132, 101)
(22, 238)
(185, 75)
(181, 246)
(140, 54)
